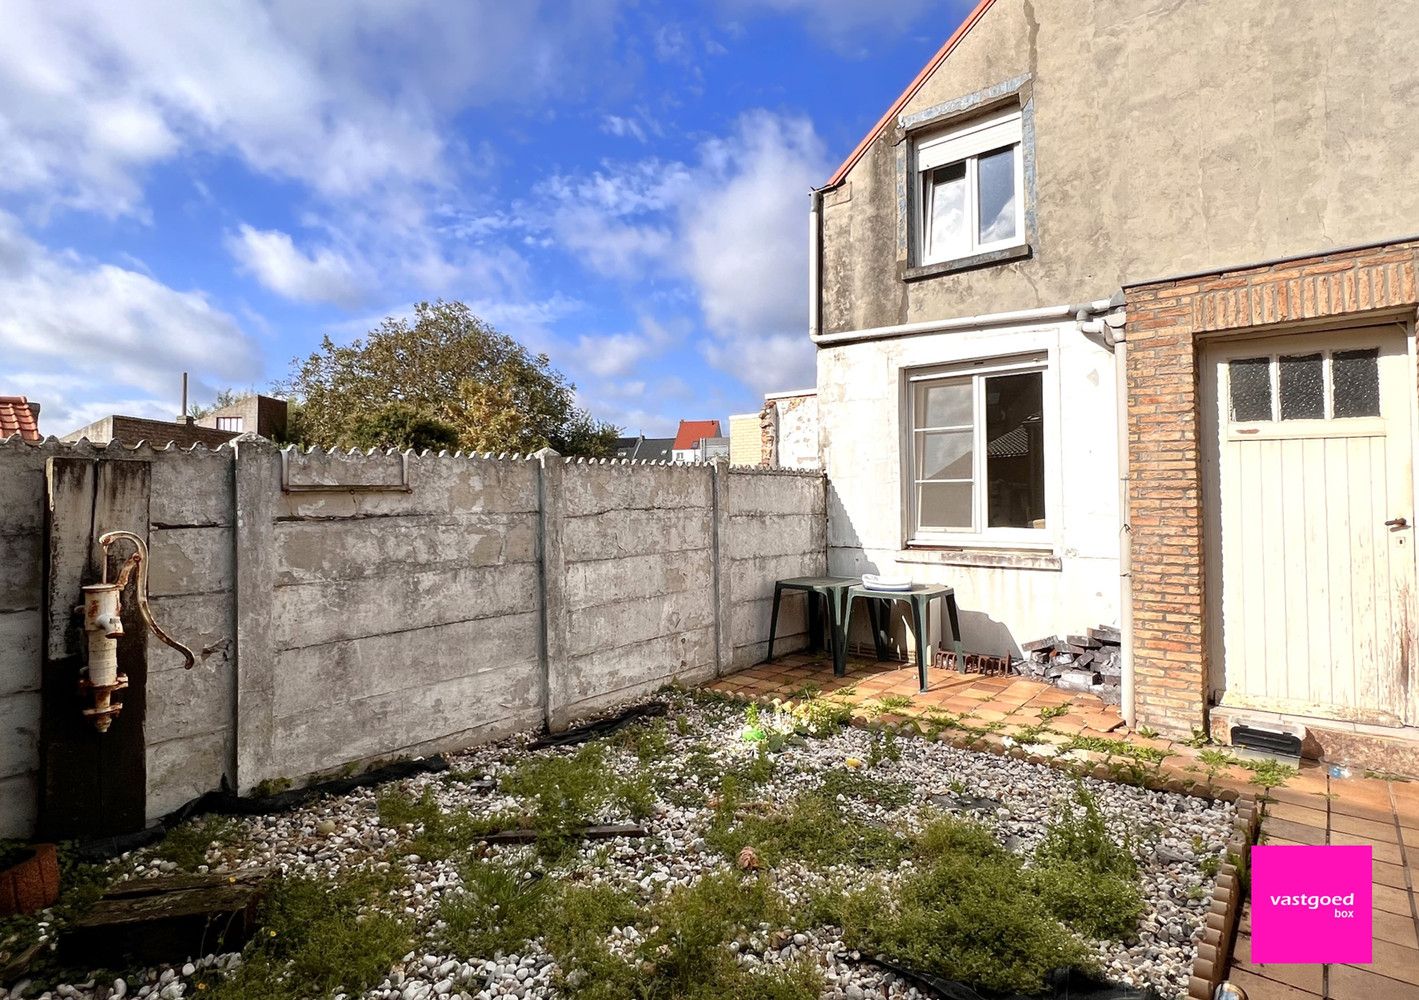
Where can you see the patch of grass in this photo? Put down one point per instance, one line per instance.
(1210, 866)
(862, 787)
(684, 954)
(499, 909)
(892, 702)
(1199, 738)
(1054, 711)
(318, 937)
(186, 845)
(1269, 773)
(965, 913)
(439, 833)
(813, 828)
(1085, 875)
(1147, 732)
(566, 793)
(1117, 748)
(883, 746)
(821, 717)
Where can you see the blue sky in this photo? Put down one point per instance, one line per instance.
(214, 186)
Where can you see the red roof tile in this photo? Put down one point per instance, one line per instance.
(691, 432)
(16, 417)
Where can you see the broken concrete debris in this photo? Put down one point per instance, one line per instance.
(1091, 661)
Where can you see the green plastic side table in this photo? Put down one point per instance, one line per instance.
(832, 590)
(919, 597)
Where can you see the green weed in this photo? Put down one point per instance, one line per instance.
(187, 845)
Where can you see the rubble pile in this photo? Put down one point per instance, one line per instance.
(1089, 662)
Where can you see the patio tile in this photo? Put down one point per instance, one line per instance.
(1296, 814)
(1348, 982)
(1395, 928)
(1298, 833)
(1382, 851)
(1267, 989)
(1301, 977)
(1396, 962)
(1392, 900)
(1372, 830)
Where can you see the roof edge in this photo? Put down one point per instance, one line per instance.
(910, 92)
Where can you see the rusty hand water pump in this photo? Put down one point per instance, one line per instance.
(102, 609)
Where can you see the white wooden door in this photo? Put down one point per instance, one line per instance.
(1311, 511)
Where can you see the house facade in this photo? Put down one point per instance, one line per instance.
(1115, 315)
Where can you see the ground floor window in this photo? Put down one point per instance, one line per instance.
(976, 457)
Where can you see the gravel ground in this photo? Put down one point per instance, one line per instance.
(337, 834)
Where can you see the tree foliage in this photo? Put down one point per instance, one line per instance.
(445, 368)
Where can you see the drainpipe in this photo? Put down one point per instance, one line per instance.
(815, 264)
(1110, 327)
(1017, 317)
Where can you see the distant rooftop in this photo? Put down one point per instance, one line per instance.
(19, 416)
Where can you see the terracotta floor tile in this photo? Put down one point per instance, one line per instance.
(1391, 875)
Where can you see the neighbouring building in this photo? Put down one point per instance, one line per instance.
(689, 436)
(1115, 323)
(745, 439)
(19, 415)
(626, 446)
(788, 429)
(713, 447)
(265, 415)
(262, 414)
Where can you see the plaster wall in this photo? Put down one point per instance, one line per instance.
(1168, 139)
(1006, 597)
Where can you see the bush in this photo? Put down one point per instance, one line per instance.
(498, 909)
(966, 914)
(685, 956)
(1087, 878)
(812, 828)
(317, 937)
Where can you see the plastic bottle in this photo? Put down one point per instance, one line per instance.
(1340, 770)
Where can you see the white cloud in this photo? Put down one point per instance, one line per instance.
(346, 98)
(733, 223)
(613, 356)
(67, 322)
(271, 256)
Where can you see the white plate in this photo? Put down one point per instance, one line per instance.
(874, 582)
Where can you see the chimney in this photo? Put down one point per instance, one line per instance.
(182, 416)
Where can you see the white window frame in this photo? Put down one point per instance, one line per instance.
(233, 424)
(966, 145)
(1328, 426)
(979, 534)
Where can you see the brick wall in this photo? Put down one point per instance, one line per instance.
(1170, 637)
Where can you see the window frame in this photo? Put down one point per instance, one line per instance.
(966, 144)
(1327, 426)
(980, 534)
(226, 424)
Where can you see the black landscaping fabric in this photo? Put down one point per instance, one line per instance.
(1064, 984)
(228, 803)
(601, 727)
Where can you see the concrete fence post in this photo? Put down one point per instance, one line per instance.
(552, 577)
(720, 540)
(257, 468)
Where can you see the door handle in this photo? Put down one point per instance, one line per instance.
(1397, 522)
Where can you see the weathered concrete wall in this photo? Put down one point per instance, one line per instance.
(21, 632)
(357, 607)
(776, 525)
(638, 546)
(1290, 113)
(1006, 596)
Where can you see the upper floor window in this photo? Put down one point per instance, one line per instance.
(229, 424)
(971, 189)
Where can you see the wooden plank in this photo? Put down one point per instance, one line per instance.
(92, 784)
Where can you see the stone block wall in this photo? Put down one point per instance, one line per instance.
(346, 608)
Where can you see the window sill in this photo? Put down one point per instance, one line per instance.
(971, 263)
(1003, 558)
